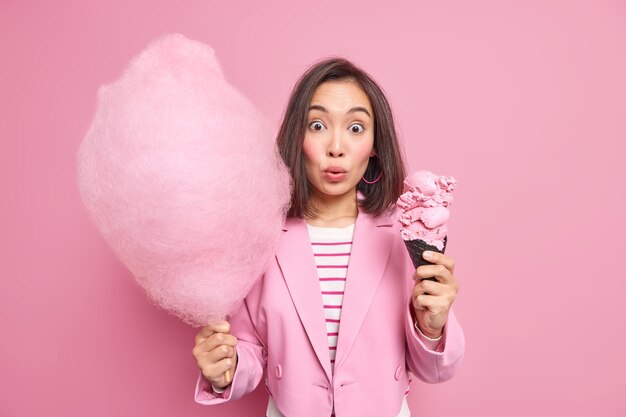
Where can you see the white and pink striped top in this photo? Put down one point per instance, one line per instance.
(331, 249)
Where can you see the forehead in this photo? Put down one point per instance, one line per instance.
(339, 96)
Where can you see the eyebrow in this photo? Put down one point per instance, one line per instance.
(352, 110)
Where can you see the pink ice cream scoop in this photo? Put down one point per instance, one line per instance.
(424, 211)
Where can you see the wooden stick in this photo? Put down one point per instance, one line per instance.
(227, 374)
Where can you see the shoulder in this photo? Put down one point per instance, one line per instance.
(387, 220)
(293, 223)
(384, 227)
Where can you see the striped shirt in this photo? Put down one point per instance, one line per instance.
(331, 250)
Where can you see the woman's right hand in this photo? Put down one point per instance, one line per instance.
(215, 353)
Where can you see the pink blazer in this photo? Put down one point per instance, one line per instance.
(282, 331)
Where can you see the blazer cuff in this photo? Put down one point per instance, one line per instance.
(431, 344)
(207, 394)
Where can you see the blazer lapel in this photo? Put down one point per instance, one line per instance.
(370, 252)
(295, 257)
(371, 248)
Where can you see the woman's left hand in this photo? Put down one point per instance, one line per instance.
(431, 309)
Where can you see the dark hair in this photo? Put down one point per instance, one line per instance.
(379, 197)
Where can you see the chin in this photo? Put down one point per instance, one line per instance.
(336, 191)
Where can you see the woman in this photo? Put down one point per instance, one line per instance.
(340, 315)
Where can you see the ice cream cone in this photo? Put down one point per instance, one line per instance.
(417, 247)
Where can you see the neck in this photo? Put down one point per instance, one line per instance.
(333, 211)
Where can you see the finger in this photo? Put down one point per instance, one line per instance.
(221, 326)
(429, 287)
(221, 352)
(439, 272)
(439, 258)
(208, 359)
(217, 370)
(427, 302)
(422, 301)
(218, 339)
(223, 366)
(203, 334)
(444, 294)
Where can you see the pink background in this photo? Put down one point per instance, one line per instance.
(524, 102)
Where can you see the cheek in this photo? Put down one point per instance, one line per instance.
(311, 152)
(311, 158)
(362, 153)
(307, 148)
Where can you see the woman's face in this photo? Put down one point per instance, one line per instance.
(339, 137)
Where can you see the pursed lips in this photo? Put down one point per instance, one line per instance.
(335, 170)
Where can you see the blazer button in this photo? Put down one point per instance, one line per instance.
(398, 373)
(279, 371)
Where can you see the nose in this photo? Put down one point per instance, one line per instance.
(336, 147)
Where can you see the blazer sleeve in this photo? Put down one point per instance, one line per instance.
(251, 362)
(434, 365)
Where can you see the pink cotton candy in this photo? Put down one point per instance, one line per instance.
(181, 174)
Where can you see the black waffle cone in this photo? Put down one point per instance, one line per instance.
(417, 247)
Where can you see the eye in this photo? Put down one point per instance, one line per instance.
(357, 125)
(316, 125)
